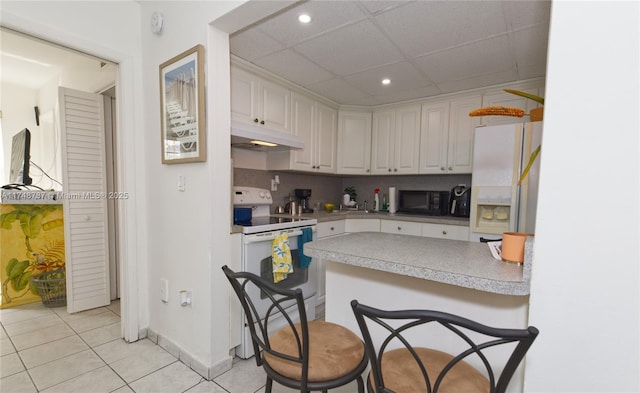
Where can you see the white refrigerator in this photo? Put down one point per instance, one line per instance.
(498, 203)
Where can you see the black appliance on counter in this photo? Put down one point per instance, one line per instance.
(430, 203)
(460, 201)
(303, 195)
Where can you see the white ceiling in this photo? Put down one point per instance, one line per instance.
(32, 63)
(426, 48)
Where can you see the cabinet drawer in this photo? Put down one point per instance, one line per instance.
(330, 228)
(401, 227)
(453, 232)
(362, 225)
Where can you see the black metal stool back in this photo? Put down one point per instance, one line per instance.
(285, 353)
(398, 366)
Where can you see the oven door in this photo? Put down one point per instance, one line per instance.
(256, 259)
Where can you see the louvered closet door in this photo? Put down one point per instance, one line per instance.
(85, 204)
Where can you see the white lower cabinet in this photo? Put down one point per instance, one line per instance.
(443, 231)
(362, 225)
(323, 231)
(401, 227)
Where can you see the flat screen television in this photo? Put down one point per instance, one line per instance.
(20, 158)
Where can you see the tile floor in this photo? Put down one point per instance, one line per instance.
(84, 353)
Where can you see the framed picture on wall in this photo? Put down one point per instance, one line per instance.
(182, 107)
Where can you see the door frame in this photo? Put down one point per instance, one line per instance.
(131, 237)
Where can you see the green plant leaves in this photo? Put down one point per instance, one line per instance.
(15, 268)
(532, 159)
(533, 97)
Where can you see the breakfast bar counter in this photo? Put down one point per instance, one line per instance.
(402, 272)
(460, 263)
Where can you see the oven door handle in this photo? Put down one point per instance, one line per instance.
(269, 236)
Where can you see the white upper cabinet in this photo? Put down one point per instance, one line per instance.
(395, 145)
(446, 140)
(354, 142)
(257, 101)
(317, 125)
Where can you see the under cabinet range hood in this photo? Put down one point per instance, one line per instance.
(246, 136)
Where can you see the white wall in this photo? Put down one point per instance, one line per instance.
(585, 287)
(17, 104)
(189, 229)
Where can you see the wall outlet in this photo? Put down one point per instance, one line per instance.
(164, 290)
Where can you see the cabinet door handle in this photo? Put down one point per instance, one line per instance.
(399, 228)
(332, 228)
(367, 171)
(450, 168)
(444, 232)
(442, 168)
(395, 169)
(255, 120)
(262, 122)
(389, 169)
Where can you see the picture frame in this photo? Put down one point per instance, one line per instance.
(182, 107)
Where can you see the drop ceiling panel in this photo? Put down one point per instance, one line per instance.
(403, 75)
(468, 61)
(338, 90)
(325, 16)
(425, 27)
(351, 49)
(292, 66)
(530, 48)
(521, 14)
(253, 44)
(453, 45)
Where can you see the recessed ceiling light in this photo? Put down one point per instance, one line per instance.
(386, 81)
(304, 18)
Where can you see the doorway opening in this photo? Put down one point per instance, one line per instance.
(33, 69)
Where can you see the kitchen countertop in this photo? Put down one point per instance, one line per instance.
(336, 215)
(324, 216)
(455, 262)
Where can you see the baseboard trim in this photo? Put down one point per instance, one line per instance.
(188, 359)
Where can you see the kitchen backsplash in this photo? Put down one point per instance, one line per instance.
(330, 188)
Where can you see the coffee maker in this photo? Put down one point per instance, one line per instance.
(303, 195)
(460, 202)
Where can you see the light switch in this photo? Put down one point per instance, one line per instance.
(181, 182)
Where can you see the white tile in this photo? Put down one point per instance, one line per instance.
(480, 58)
(10, 364)
(292, 66)
(403, 75)
(3, 333)
(136, 367)
(114, 306)
(51, 333)
(124, 389)
(120, 349)
(6, 347)
(102, 335)
(23, 313)
(325, 16)
(32, 325)
(100, 380)
(243, 377)
(17, 383)
(62, 312)
(252, 44)
(89, 322)
(206, 387)
(362, 47)
(64, 369)
(176, 377)
(51, 351)
(448, 24)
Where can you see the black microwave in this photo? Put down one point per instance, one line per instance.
(430, 203)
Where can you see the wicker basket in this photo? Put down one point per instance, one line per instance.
(52, 287)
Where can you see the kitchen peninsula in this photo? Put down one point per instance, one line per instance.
(397, 272)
